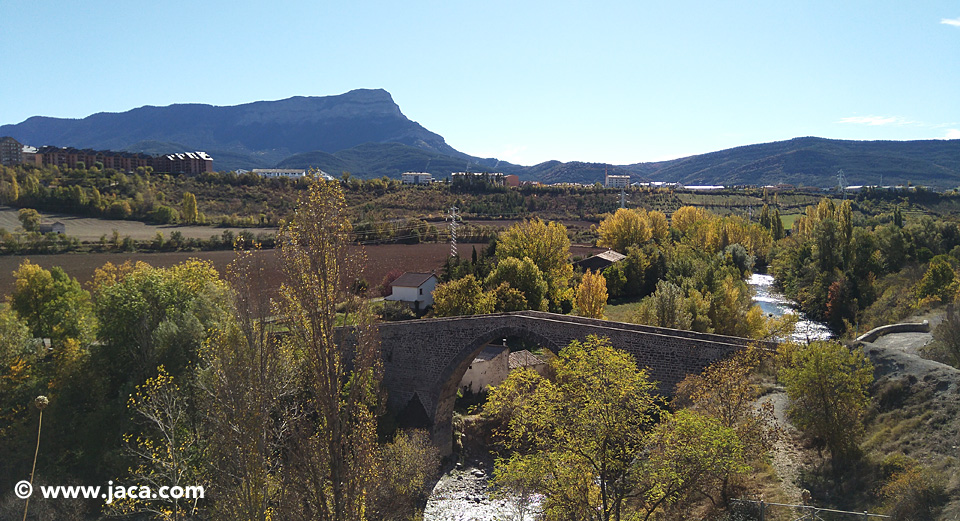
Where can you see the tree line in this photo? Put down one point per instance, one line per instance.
(178, 376)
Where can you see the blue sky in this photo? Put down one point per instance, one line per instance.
(605, 81)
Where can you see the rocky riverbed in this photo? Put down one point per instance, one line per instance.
(463, 494)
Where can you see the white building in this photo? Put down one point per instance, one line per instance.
(416, 178)
(616, 181)
(292, 173)
(492, 366)
(488, 369)
(415, 289)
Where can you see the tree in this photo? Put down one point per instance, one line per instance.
(168, 451)
(659, 226)
(29, 219)
(947, 336)
(156, 316)
(188, 208)
(765, 217)
(508, 299)
(687, 218)
(463, 296)
(591, 295)
(523, 275)
(666, 307)
(626, 227)
(939, 281)
(14, 338)
(549, 248)
(250, 385)
(827, 386)
(578, 436)
(726, 392)
(688, 454)
(332, 460)
(410, 463)
(9, 192)
(776, 229)
(52, 303)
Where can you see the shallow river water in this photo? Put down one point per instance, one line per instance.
(773, 302)
(462, 494)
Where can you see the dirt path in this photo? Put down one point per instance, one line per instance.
(786, 457)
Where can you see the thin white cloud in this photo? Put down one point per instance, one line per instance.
(952, 133)
(951, 21)
(875, 121)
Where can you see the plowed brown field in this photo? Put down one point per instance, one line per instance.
(380, 260)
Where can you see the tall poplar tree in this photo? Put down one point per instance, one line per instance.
(332, 463)
(188, 209)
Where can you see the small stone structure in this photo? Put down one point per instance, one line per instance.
(58, 228)
(425, 360)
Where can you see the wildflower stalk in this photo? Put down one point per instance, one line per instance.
(41, 403)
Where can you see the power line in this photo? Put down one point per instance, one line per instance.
(453, 218)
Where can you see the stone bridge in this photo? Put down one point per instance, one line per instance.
(424, 360)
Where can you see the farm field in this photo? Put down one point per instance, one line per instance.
(380, 260)
(91, 228)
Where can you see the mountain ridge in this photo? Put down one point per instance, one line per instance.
(365, 132)
(272, 129)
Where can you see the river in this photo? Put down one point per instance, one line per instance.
(462, 494)
(774, 303)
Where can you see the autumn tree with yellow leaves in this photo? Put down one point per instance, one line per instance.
(332, 460)
(591, 295)
(548, 246)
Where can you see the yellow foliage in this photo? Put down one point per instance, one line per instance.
(687, 218)
(627, 227)
(591, 298)
(109, 274)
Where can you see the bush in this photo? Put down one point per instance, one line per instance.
(409, 464)
(395, 311)
(164, 215)
(914, 493)
(119, 210)
(392, 275)
(946, 347)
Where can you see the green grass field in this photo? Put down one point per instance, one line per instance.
(620, 310)
(788, 220)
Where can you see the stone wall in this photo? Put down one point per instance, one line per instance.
(904, 327)
(424, 360)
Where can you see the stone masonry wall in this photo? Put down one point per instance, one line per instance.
(427, 358)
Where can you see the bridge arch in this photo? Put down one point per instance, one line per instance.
(424, 360)
(452, 374)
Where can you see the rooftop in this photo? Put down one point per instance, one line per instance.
(489, 353)
(412, 280)
(524, 358)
